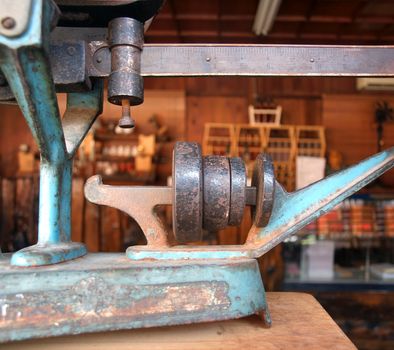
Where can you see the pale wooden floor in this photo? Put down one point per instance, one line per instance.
(298, 322)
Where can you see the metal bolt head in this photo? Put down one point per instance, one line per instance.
(8, 22)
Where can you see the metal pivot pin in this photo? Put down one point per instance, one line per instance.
(126, 121)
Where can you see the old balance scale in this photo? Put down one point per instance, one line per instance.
(55, 287)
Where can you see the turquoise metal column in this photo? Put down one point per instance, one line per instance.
(25, 64)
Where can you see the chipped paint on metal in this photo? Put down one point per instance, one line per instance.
(25, 64)
(106, 292)
(186, 252)
(292, 211)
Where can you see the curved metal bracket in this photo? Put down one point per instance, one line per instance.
(137, 201)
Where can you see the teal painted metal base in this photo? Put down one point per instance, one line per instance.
(45, 254)
(25, 63)
(101, 292)
(147, 252)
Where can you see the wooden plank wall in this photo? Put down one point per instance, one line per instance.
(204, 100)
(351, 128)
(225, 99)
(186, 104)
(13, 132)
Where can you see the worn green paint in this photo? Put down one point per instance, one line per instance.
(107, 292)
(24, 62)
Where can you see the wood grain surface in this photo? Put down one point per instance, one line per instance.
(298, 322)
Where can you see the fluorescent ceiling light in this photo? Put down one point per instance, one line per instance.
(265, 16)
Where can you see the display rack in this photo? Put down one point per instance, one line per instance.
(281, 146)
(249, 142)
(282, 142)
(265, 116)
(219, 139)
(310, 140)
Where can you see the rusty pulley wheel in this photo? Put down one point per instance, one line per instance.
(187, 192)
(238, 185)
(216, 192)
(264, 180)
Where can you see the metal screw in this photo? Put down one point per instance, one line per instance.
(208, 59)
(126, 122)
(71, 50)
(312, 60)
(99, 59)
(8, 22)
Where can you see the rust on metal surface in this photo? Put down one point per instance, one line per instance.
(216, 191)
(237, 191)
(264, 180)
(187, 192)
(106, 291)
(86, 302)
(142, 210)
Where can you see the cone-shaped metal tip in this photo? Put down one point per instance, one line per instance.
(126, 122)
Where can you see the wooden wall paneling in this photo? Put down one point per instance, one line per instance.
(299, 111)
(351, 128)
(217, 109)
(164, 167)
(167, 83)
(111, 236)
(313, 111)
(91, 231)
(7, 212)
(302, 86)
(24, 208)
(245, 225)
(228, 236)
(77, 209)
(217, 86)
(13, 132)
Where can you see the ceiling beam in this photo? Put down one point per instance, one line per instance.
(336, 19)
